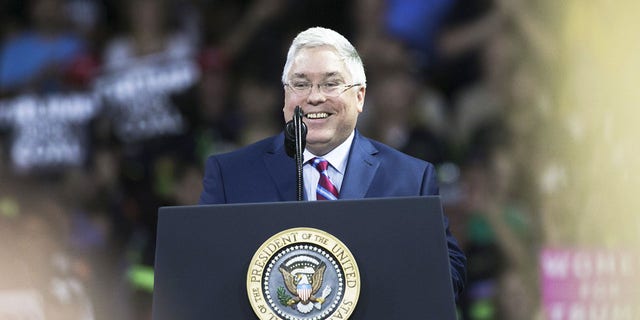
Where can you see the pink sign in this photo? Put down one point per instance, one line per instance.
(586, 284)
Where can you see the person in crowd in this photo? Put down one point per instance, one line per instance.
(324, 75)
(39, 58)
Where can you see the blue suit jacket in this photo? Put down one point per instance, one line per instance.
(262, 172)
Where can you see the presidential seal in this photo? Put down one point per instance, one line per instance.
(303, 274)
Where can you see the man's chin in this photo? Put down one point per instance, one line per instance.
(318, 137)
(319, 147)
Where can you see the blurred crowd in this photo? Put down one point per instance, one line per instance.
(108, 110)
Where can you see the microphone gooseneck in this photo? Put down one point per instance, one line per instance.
(295, 134)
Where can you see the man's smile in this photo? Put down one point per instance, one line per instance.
(317, 115)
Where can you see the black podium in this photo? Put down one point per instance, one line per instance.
(203, 254)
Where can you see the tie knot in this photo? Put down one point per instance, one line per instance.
(326, 190)
(320, 164)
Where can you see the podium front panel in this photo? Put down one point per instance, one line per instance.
(203, 254)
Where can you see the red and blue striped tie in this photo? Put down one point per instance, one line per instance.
(326, 190)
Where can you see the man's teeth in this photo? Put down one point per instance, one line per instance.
(318, 115)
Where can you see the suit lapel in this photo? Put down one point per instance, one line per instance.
(282, 169)
(361, 168)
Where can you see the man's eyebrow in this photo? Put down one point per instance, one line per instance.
(299, 75)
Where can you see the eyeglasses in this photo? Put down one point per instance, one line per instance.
(329, 88)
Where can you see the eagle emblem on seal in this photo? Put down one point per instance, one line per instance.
(303, 276)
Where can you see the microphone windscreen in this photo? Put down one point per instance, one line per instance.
(290, 139)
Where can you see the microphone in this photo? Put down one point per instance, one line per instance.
(295, 134)
(290, 133)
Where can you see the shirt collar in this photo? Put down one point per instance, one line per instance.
(336, 157)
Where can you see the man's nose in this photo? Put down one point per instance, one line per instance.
(315, 95)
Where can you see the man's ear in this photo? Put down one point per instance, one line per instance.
(360, 97)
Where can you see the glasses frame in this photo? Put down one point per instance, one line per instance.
(305, 92)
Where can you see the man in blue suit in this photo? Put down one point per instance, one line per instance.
(325, 77)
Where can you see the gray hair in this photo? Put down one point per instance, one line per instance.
(318, 36)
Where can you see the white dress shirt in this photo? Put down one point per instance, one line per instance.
(337, 159)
